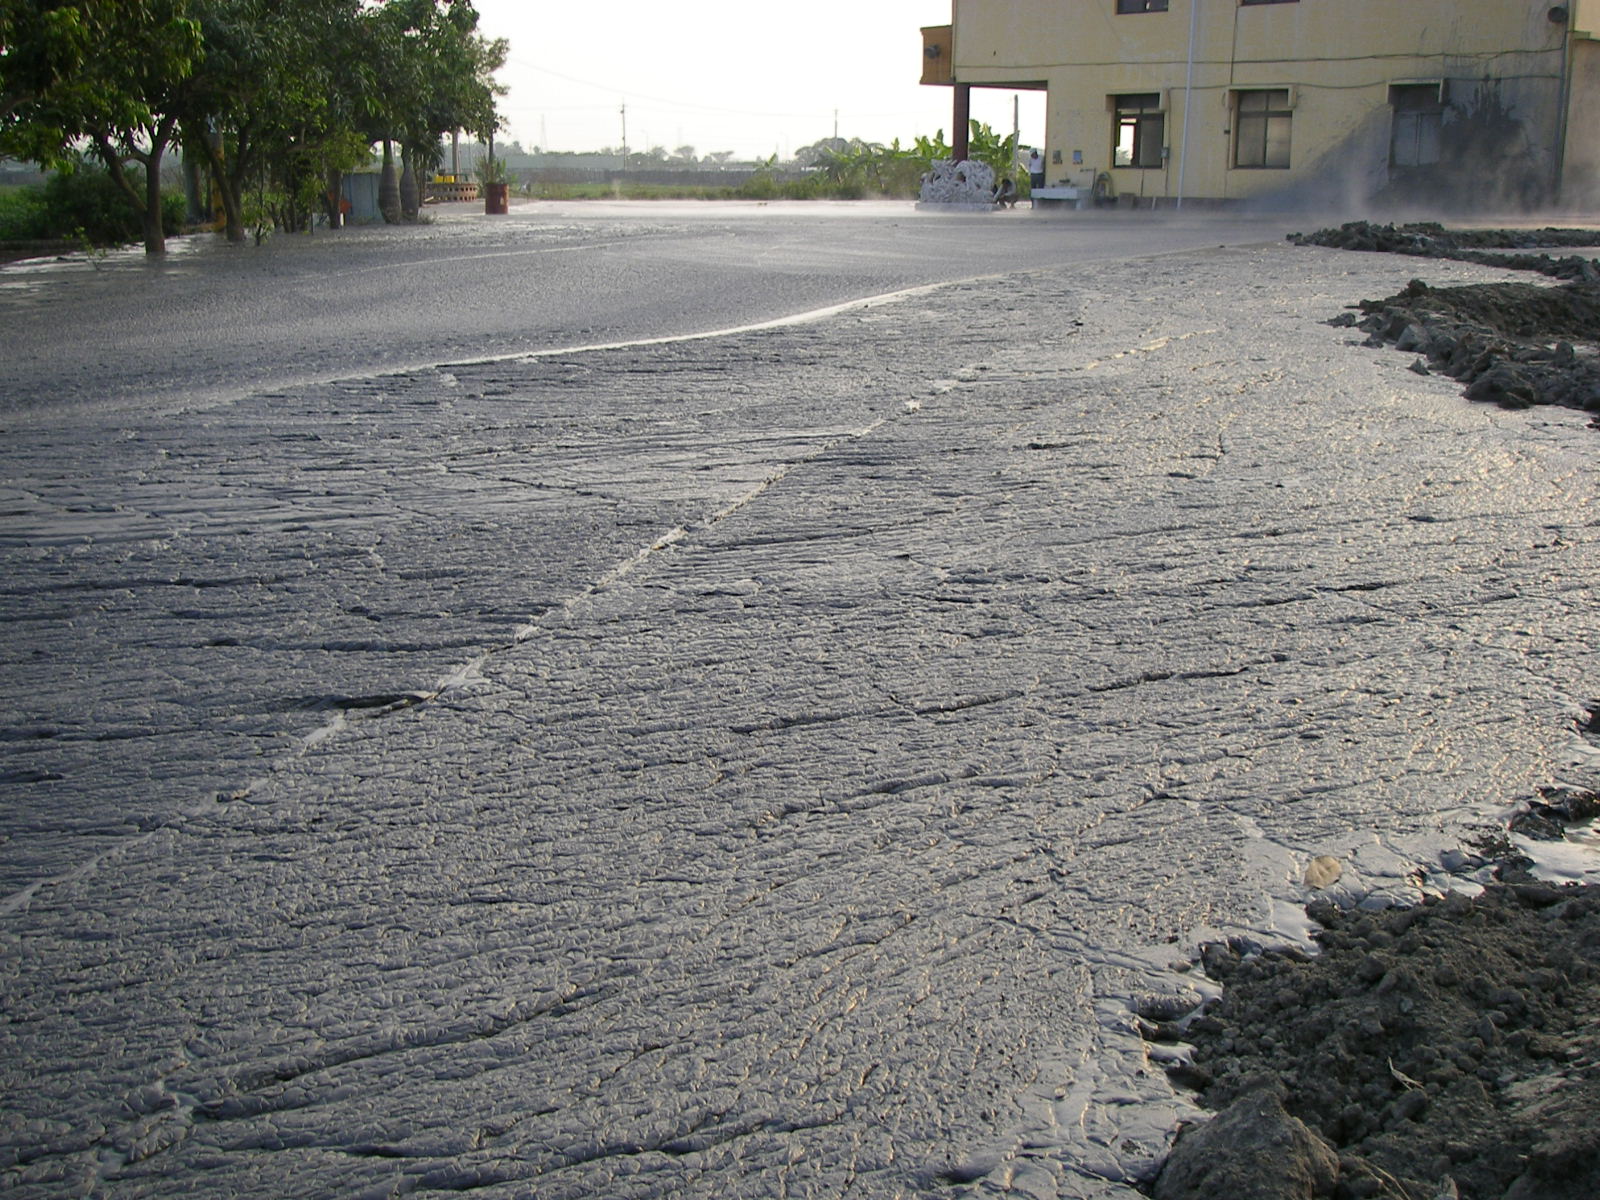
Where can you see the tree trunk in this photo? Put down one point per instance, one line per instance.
(230, 187)
(410, 201)
(196, 188)
(228, 191)
(148, 204)
(388, 186)
(333, 194)
(155, 235)
(232, 209)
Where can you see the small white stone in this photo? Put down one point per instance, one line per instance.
(1323, 871)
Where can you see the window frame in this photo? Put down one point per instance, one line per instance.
(1417, 121)
(1131, 8)
(1144, 114)
(1271, 117)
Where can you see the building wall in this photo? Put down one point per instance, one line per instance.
(1498, 129)
(1581, 171)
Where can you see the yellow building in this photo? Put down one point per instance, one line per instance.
(1487, 102)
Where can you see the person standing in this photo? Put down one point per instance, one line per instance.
(1036, 168)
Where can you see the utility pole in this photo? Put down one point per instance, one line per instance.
(1016, 129)
(1188, 99)
(624, 137)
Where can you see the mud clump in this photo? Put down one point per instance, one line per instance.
(1429, 240)
(1512, 344)
(1446, 1050)
(1225, 1156)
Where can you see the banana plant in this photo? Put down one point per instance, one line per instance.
(996, 152)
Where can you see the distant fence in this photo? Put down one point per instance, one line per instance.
(560, 175)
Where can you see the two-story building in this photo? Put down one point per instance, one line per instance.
(1492, 103)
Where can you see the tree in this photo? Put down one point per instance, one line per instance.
(278, 102)
(860, 168)
(999, 153)
(814, 154)
(434, 73)
(105, 72)
(655, 156)
(271, 106)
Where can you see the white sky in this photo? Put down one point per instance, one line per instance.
(751, 76)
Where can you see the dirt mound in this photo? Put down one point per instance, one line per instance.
(1513, 344)
(1524, 311)
(1451, 1049)
(1429, 240)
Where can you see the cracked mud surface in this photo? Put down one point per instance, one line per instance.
(752, 767)
(1449, 1049)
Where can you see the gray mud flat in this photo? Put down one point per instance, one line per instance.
(763, 766)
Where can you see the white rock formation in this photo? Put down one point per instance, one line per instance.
(961, 182)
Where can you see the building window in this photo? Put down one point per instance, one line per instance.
(1139, 131)
(1418, 120)
(1261, 128)
(1244, 2)
(1138, 6)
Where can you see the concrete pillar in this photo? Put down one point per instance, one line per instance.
(962, 121)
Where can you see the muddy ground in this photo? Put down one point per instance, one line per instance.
(834, 719)
(1449, 1051)
(1512, 344)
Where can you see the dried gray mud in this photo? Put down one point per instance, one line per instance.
(783, 764)
(1449, 1049)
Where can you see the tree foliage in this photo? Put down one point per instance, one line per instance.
(58, 66)
(271, 108)
(433, 73)
(277, 97)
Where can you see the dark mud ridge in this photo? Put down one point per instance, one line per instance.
(1449, 1051)
(1513, 344)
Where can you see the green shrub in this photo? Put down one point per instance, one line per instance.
(83, 204)
(88, 200)
(761, 186)
(22, 215)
